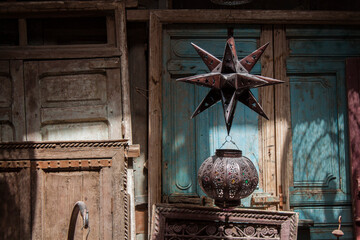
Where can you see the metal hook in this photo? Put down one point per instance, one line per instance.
(228, 139)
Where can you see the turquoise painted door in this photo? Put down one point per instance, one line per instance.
(316, 70)
(188, 142)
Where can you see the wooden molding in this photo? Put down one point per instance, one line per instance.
(10, 8)
(62, 144)
(247, 16)
(155, 116)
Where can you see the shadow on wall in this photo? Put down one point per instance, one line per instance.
(16, 220)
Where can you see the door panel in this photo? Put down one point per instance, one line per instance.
(188, 142)
(316, 70)
(12, 112)
(353, 94)
(73, 99)
(40, 183)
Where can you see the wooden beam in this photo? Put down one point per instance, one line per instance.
(58, 52)
(121, 42)
(155, 118)
(257, 16)
(22, 32)
(137, 15)
(246, 16)
(284, 166)
(56, 6)
(132, 151)
(131, 3)
(267, 133)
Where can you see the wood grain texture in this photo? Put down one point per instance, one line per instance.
(131, 3)
(246, 16)
(257, 16)
(121, 36)
(80, 51)
(32, 104)
(18, 8)
(283, 146)
(353, 95)
(73, 94)
(110, 30)
(137, 15)
(266, 96)
(15, 205)
(43, 199)
(18, 106)
(22, 32)
(154, 143)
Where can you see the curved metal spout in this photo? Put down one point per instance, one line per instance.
(79, 207)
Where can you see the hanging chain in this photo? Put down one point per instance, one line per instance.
(228, 139)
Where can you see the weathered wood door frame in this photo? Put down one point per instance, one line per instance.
(116, 45)
(276, 101)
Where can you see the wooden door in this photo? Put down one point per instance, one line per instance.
(41, 181)
(12, 111)
(353, 94)
(186, 142)
(316, 71)
(73, 99)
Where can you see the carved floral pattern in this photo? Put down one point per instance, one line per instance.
(210, 230)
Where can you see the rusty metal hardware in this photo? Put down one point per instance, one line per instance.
(230, 80)
(78, 207)
(73, 163)
(55, 164)
(228, 177)
(337, 232)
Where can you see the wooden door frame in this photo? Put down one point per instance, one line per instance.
(280, 129)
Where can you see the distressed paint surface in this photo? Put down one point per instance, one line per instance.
(316, 69)
(353, 92)
(188, 142)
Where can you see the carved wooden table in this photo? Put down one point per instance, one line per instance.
(195, 222)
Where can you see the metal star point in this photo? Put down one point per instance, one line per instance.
(230, 81)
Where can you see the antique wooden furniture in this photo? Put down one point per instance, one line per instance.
(191, 222)
(41, 181)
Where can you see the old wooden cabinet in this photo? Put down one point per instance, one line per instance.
(41, 181)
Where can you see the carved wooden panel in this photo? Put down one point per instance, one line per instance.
(184, 222)
(73, 99)
(12, 115)
(41, 182)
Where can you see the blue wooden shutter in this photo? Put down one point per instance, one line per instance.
(316, 69)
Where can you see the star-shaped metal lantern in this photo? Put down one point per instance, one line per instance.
(230, 80)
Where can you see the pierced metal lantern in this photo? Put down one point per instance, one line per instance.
(228, 177)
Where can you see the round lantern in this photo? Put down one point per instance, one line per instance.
(228, 177)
